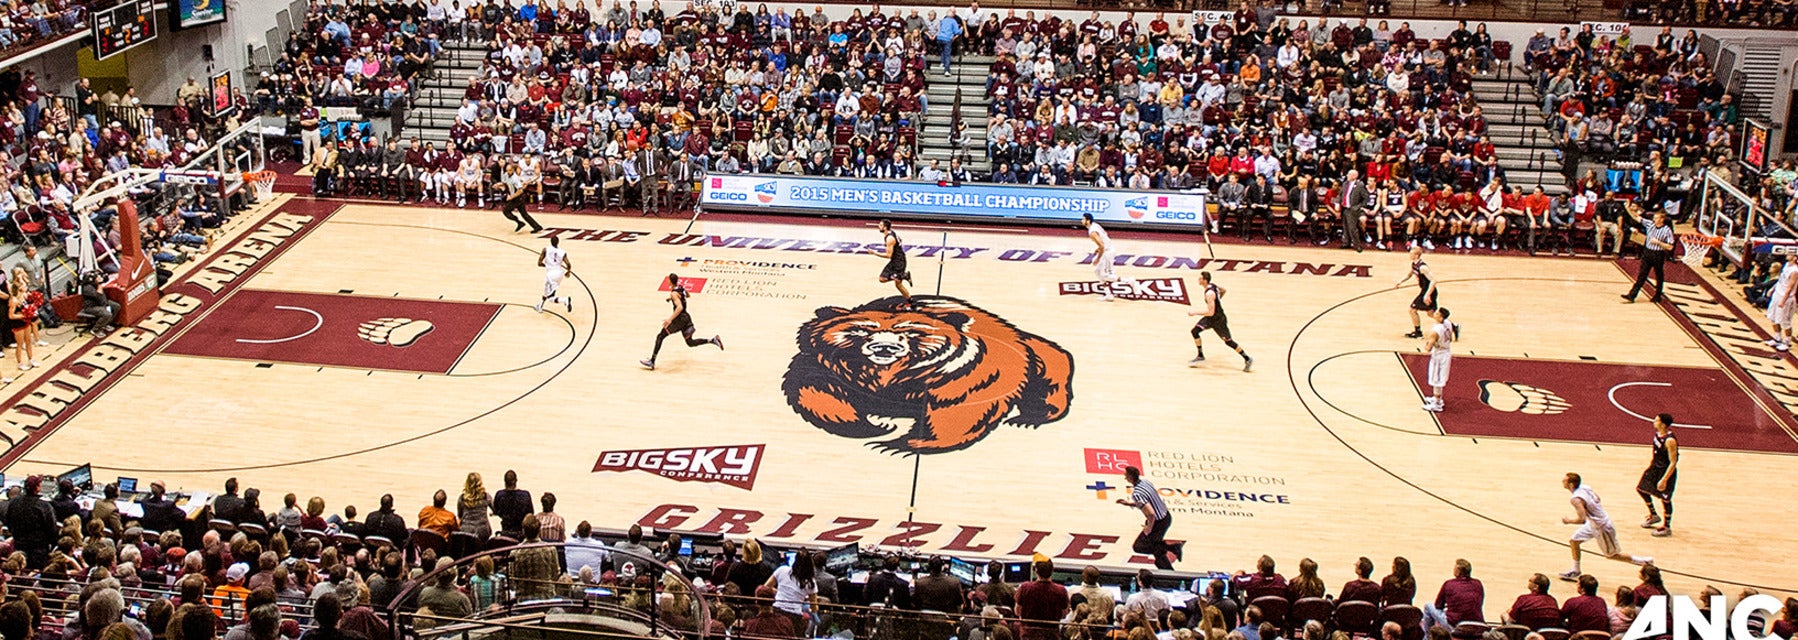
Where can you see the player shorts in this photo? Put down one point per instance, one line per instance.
(1780, 313)
(1439, 369)
(1219, 325)
(551, 282)
(1605, 538)
(1421, 303)
(1651, 480)
(895, 270)
(1104, 269)
(682, 323)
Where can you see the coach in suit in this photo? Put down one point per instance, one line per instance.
(651, 166)
(1355, 200)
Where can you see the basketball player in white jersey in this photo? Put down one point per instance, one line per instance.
(1781, 303)
(555, 266)
(468, 178)
(1102, 263)
(1595, 525)
(1438, 342)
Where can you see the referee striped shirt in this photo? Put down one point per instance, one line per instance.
(1661, 237)
(1145, 493)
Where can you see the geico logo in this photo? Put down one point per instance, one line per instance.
(730, 196)
(1176, 215)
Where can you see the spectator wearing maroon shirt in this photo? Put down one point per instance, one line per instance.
(1399, 587)
(1586, 611)
(1787, 624)
(1361, 588)
(1461, 599)
(1264, 582)
(1651, 584)
(767, 623)
(1042, 603)
(1535, 609)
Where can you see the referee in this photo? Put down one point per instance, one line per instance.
(1657, 245)
(1156, 520)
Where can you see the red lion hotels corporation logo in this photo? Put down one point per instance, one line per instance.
(734, 465)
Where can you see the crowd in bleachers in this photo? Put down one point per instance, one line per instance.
(237, 567)
(1655, 107)
(359, 55)
(52, 149)
(628, 107)
(623, 104)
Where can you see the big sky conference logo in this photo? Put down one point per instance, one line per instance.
(1199, 483)
(1153, 289)
(734, 465)
(765, 192)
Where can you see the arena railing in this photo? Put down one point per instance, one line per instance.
(61, 602)
(648, 608)
(889, 623)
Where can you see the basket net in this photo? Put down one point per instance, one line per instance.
(1698, 247)
(262, 183)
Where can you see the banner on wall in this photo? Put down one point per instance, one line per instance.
(1605, 29)
(219, 94)
(1212, 17)
(193, 13)
(845, 196)
(1754, 145)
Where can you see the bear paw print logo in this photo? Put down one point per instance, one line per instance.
(1517, 397)
(394, 332)
(933, 376)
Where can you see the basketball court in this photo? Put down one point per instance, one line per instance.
(359, 349)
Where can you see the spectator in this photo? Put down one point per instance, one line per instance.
(1461, 599)
(936, 590)
(1586, 611)
(885, 587)
(1362, 588)
(1398, 587)
(387, 524)
(433, 518)
(32, 523)
(534, 570)
(511, 504)
(326, 613)
(1535, 609)
(583, 550)
(553, 527)
(1264, 582)
(1041, 603)
(795, 589)
(442, 597)
(768, 623)
(1306, 584)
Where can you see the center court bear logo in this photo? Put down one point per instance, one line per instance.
(942, 374)
(394, 332)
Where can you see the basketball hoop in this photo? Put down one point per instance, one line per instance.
(1698, 246)
(263, 184)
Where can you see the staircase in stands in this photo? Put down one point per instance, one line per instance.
(434, 111)
(935, 140)
(1514, 119)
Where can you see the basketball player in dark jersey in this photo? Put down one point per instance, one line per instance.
(1212, 317)
(1426, 291)
(895, 271)
(1661, 477)
(677, 322)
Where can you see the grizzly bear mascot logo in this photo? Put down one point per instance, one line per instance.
(940, 374)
